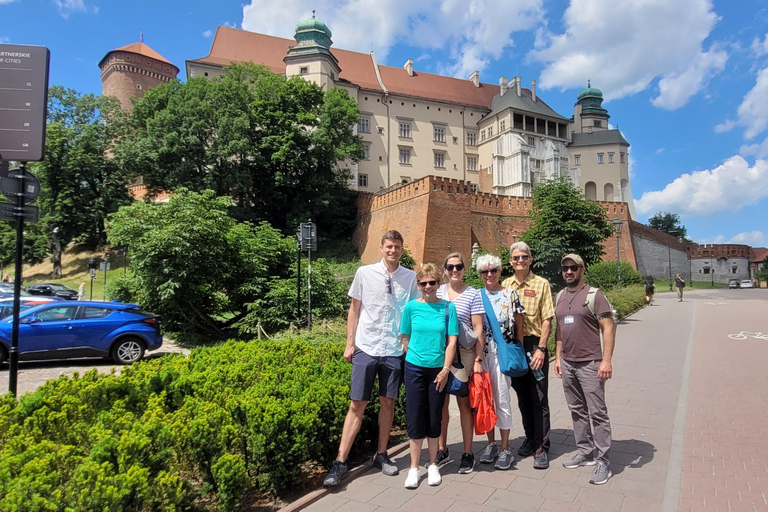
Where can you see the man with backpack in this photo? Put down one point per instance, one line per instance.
(584, 320)
(679, 284)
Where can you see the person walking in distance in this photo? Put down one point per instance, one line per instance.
(679, 284)
(379, 294)
(533, 395)
(583, 313)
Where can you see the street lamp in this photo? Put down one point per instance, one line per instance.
(617, 227)
(690, 265)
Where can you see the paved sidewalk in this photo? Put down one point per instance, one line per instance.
(651, 458)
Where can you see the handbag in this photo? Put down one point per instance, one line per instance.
(512, 360)
(467, 337)
(457, 378)
(481, 402)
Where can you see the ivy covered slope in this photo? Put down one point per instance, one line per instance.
(167, 432)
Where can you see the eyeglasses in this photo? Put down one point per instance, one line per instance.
(458, 267)
(524, 257)
(489, 271)
(572, 268)
(388, 281)
(425, 283)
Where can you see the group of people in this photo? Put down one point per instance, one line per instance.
(409, 327)
(650, 288)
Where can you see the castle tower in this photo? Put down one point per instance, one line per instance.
(127, 72)
(588, 113)
(311, 58)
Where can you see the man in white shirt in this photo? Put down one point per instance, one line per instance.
(379, 293)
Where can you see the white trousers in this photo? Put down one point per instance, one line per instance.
(501, 384)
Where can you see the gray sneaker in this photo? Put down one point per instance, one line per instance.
(540, 459)
(601, 473)
(381, 461)
(489, 454)
(505, 460)
(579, 460)
(337, 473)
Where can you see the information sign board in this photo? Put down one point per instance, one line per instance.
(23, 101)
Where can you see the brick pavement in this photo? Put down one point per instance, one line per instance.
(647, 455)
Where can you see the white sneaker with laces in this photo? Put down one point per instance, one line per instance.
(412, 480)
(433, 475)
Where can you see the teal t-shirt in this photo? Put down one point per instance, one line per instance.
(424, 322)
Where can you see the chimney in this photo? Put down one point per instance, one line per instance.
(409, 67)
(475, 78)
(533, 90)
(518, 85)
(502, 86)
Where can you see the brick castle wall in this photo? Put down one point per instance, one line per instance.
(127, 75)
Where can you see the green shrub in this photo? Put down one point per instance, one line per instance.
(169, 432)
(603, 275)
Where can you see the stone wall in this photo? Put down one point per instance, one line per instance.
(725, 269)
(659, 254)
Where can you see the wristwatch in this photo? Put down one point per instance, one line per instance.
(543, 349)
(478, 359)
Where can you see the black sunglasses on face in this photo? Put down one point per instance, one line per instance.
(457, 267)
(430, 283)
(572, 268)
(524, 257)
(489, 271)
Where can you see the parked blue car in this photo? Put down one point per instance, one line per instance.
(65, 330)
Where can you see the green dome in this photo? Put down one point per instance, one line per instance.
(590, 92)
(313, 31)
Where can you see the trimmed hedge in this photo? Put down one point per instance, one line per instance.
(168, 431)
(603, 275)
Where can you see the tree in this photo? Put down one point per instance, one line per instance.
(563, 222)
(272, 144)
(668, 223)
(194, 264)
(35, 244)
(80, 183)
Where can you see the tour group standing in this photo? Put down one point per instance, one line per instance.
(406, 327)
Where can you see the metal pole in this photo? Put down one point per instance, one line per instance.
(105, 282)
(93, 276)
(669, 250)
(618, 262)
(18, 277)
(298, 277)
(309, 288)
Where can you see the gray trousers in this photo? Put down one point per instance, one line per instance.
(585, 395)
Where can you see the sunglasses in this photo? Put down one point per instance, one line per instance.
(425, 283)
(457, 267)
(524, 257)
(489, 271)
(572, 268)
(388, 281)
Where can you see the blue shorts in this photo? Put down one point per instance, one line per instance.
(365, 368)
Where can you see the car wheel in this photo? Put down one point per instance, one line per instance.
(128, 350)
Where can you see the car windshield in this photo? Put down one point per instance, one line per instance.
(60, 287)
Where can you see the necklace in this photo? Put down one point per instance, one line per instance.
(574, 296)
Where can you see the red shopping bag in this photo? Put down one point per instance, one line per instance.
(481, 401)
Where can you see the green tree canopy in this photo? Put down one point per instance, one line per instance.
(194, 264)
(563, 222)
(272, 144)
(668, 223)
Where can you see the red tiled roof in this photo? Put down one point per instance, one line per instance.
(759, 254)
(140, 49)
(233, 45)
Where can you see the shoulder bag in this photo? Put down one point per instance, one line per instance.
(458, 380)
(512, 360)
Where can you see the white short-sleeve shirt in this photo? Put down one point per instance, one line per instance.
(383, 299)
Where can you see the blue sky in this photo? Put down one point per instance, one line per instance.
(686, 81)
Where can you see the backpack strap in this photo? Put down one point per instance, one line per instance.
(591, 299)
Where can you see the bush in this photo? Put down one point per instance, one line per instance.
(603, 275)
(169, 432)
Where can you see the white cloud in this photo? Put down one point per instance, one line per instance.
(623, 50)
(2, 2)
(728, 187)
(725, 126)
(67, 7)
(753, 111)
(208, 33)
(753, 238)
(473, 33)
(4, 40)
(760, 48)
(756, 150)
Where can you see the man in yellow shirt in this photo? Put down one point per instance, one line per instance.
(532, 394)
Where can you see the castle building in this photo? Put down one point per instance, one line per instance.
(127, 72)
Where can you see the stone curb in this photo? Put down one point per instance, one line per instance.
(315, 495)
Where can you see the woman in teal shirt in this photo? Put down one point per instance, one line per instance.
(430, 347)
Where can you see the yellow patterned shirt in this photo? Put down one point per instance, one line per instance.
(536, 297)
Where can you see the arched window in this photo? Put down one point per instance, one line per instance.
(624, 191)
(608, 192)
(590, 190)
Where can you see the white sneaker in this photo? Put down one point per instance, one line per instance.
(412, 480)
(433, 475)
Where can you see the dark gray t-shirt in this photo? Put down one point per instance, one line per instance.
(579, 328)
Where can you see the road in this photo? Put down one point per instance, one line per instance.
(33, 374)
(688, 410)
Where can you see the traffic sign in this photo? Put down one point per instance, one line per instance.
(23, 101)
(14, 185)
(104, 265)
(10, 211)
(308, 236)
